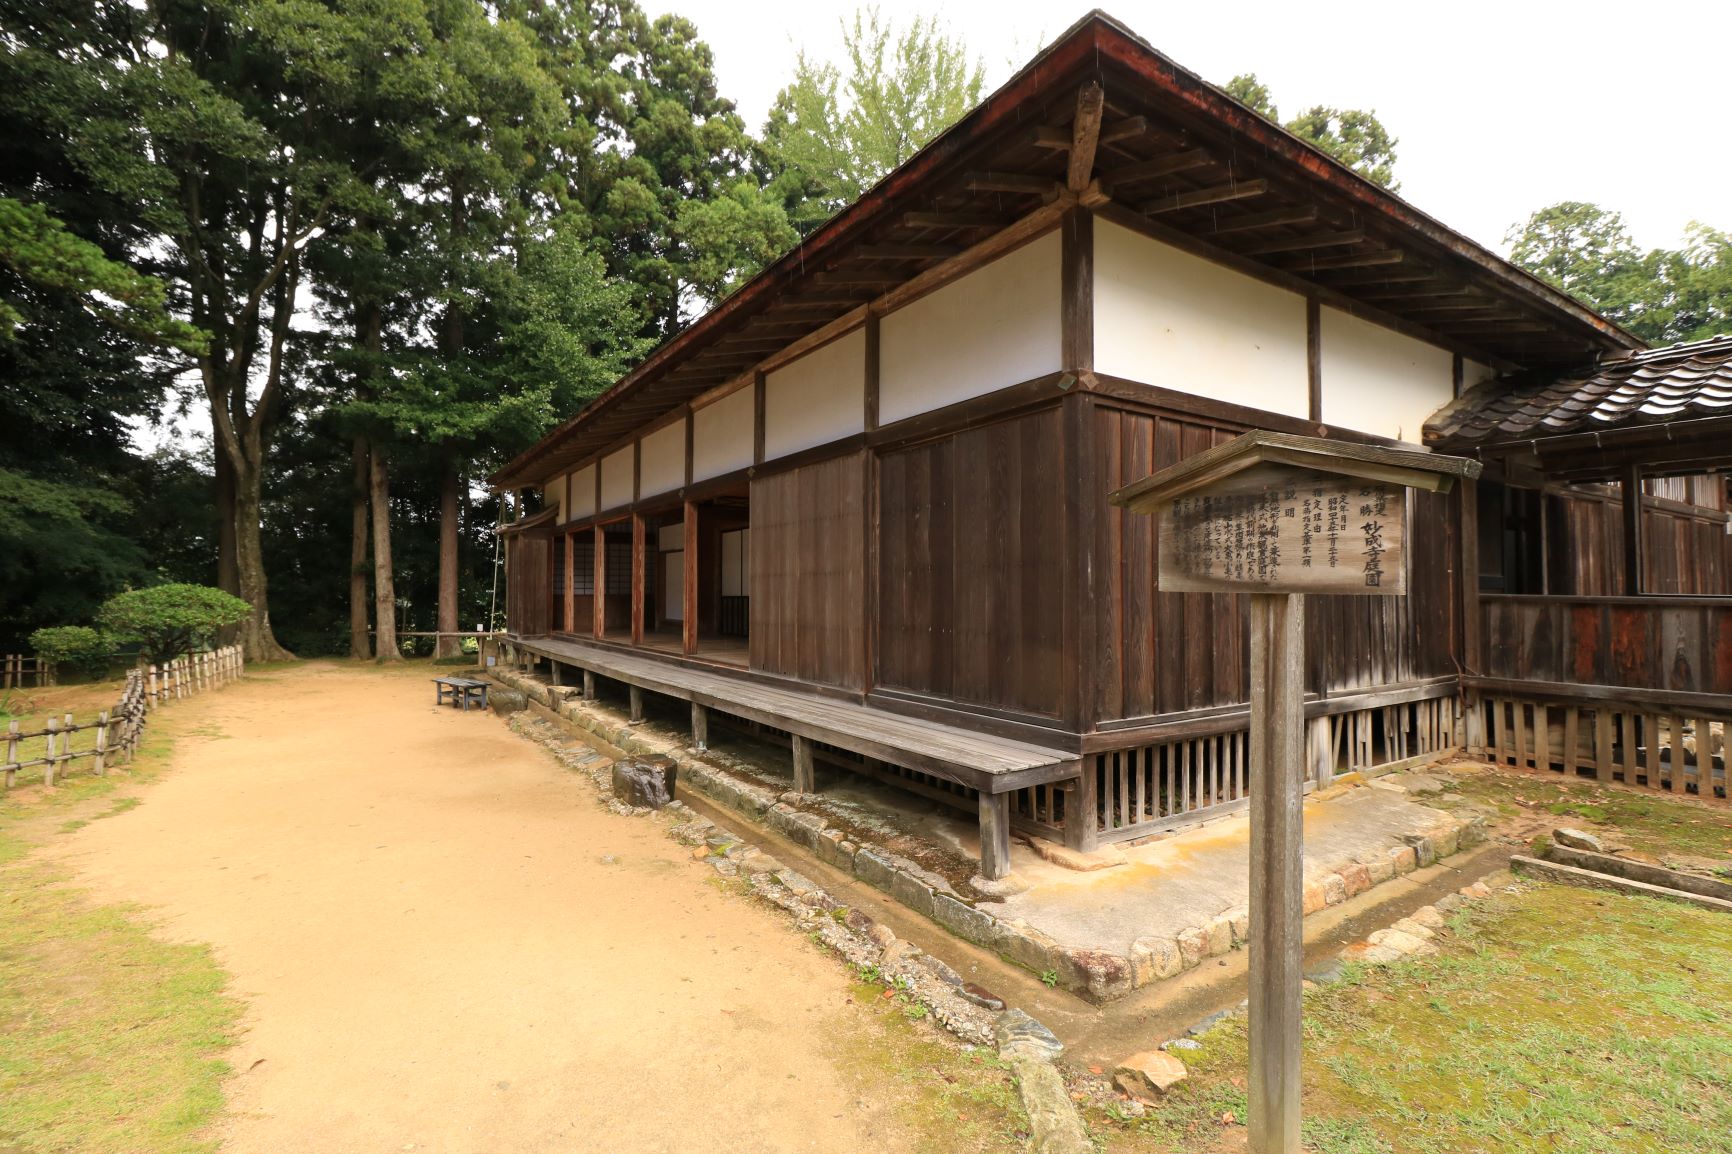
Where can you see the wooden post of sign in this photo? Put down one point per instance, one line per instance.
(1277, 868)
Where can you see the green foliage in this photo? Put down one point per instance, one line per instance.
(79, 646)
(1353, 136)
(169, 620)
(834, 132)
(1663, 295)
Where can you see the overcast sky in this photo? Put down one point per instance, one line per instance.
(1500, 108)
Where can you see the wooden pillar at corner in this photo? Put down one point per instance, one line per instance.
(598, 601)
(689, 599)
(1635, 546)
(994, 835)
(637, 578)
(1277, 926)
(569, 621)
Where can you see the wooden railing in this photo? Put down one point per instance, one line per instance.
(18, 670)
(115, 733)
(1676, 644)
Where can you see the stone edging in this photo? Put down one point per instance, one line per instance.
(1098, 975)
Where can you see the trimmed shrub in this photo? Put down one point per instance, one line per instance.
(169, 620)
(78, 646)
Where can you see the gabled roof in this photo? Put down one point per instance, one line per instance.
(1667, 409)
(1101, 118)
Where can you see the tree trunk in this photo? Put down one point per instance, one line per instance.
(360, 645)
(384, 585)
(449, 484)
(228, 573)
(256, 637)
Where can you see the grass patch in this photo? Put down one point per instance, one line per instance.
(957, 1101)
(1651, 823)
(1557, 1019)
(110, 1039)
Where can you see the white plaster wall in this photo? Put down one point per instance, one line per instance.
(818, 399)
(1376, 380)
(616, 479)
(583, 492)
(998, 326)
(1166, 318)
(1473, 373)
(722, 435)
(663, 465)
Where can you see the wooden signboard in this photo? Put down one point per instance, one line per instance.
(1283, 529)
(1279, 516)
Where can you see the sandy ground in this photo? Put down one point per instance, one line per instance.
(435, 956)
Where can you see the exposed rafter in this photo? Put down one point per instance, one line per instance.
(1300, 214)
(1309, 240)
(1197, 198)
(1376, 258)
(1160, 166)
(953, 220)
(1085, 135)
(1009, 182)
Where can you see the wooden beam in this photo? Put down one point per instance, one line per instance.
(907, 251)
(994, 835)
(871, 371)
(1018, 182)
(1126, 129)
(1635, 547)
(1299, 214)
(689, 595)
(1309, 240)
(1378, 258)
(636, 703)
(805, 776)
(1085, 135)
(1437, 292)
(1198, 198)
(864, 279)
(1467, 577)
(570, 618)
(952, 220)
(757, 418)
(1076, 278)
(1384, 275)
(1277, 886)
(598, 598)
(700, 727)
(1314, 357)
(1160, 166)
(638, 587)
(1049, 136)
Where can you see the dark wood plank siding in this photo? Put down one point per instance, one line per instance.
(808, 572)
(1684, 645)
(970, 606)
(1688, 554)
(527, 584)
(1171, 652)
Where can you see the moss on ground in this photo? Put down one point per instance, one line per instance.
(1554, 1019)
(110, 1039)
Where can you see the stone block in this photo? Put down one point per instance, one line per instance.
(1155, 959)
(1428, 916)
(872, 869)
(1404, 859)
(1356, 877)
(1312, 897)
(1148, 1076)
(1378, 866)
(1414, 929)
(964, 920)
(1334, 889)
(1444, 841)
(645, 781)
(1241, 921)
(1218, 935)
(1193, 946)
(1396, 940)
(1099, 975)
(1028, 948)
(1016, 1031)
(912, 892)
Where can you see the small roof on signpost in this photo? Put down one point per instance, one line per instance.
(1414, 468)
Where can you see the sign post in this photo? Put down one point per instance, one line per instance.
(1278, 517)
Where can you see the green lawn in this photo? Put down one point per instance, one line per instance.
(110, 1039)
(1556, 1020)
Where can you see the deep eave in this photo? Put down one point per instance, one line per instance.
(1194, 167)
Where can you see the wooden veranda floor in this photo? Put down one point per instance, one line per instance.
(993, 765)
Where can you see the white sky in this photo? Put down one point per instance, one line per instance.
(1500, 107)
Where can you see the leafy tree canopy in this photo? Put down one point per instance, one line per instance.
(169, 620)
(834, 132)
(1662, 295)
(79, 646)
(1353, 136)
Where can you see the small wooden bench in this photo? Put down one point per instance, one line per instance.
(460, 691)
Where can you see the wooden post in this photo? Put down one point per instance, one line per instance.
(11, 754)
(556, 673)
(101, 759)
(805, 777)
(700, 727)
(1635, 548)
(1082, 830)
(1277, 898)
(51, 742)
(150, 694)
(598, 601)
(636, 704)
(689, 607)
(589, 685)
(637, 578)
(570, 579)
(994, 835)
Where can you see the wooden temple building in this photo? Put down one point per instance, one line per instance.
(862, 502)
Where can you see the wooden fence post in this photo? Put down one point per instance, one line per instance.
(11, 754)
(101, 766)
(50, 742)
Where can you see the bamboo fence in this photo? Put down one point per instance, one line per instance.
(18, 670)
(115, 734)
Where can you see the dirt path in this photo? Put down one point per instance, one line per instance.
(415, 905)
